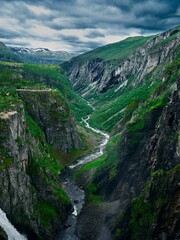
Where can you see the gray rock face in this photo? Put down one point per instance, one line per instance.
(141, 62)
(49, 109)
(26, 188)
(148, 157)
(16, 192)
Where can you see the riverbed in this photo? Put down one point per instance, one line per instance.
(76, 194)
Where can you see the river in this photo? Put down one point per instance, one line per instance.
(10, 230)
(75, 194)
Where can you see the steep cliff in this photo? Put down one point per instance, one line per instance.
(27, 75)
(95, 72)
(154, 214)
(37, 131)
(30, 191)
(49, 108)
(91, 69)
(133, 188)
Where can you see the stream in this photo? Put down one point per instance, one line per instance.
(76, 194)
(10, 230)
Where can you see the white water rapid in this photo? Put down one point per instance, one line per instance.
(99, 153)
(10, 230)
(76, 194)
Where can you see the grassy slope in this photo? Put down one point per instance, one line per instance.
(112, 106)
(43, 166)
(116, 51)
(16, 75)
(6, 54)
(130, 108)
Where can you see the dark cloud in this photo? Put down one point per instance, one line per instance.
(95, 34)
(76, 25)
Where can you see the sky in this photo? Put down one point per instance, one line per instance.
(81, 25)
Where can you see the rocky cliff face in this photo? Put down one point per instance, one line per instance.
(156, 209)
(138, 181)
(144, 60)
(139, 186)
(30, 191)
(50, 110)
(102, 75)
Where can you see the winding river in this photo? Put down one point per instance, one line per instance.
(75, 194)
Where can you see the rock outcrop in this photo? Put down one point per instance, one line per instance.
(103, 75)
(50, 110)
(30, 192)
(156, 209)
(139, 182)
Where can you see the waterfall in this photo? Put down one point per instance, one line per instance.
(10, 230)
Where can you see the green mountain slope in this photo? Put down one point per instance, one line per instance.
(7, 55)
(115, 51)
(38, 136)
(20, 75)
(135, 183)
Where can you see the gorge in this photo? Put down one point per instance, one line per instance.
(91, 149)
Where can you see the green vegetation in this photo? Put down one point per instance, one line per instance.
(114, 51)
(8, 99)
(47, 213)
(113, 111)
(147, 208)
(62, 197)
(173, 69)
(44, 168)
(142, 217)
(95, 164)
(16, 75)
(175, 34)
(5, 160)
(45, 162)
(34, 128)
(6, 54)
(54, 78)
(145, 118)
(113, 107)
(108, 163)
(92, 195)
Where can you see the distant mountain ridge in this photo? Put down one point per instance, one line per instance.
(41, 55)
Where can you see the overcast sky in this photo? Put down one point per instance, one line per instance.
(82, 25)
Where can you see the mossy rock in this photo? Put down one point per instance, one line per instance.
(3, 235)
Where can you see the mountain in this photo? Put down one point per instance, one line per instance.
(129, 89)
(39, 135)
(100, 62)
(104, 82)
(41, 55)
(7, 55)
(134, 86)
